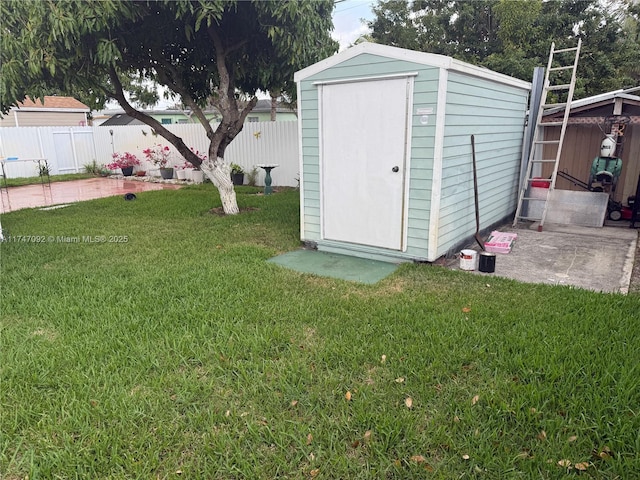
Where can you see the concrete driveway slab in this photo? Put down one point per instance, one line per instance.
(599, 259)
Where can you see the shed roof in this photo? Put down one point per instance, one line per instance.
(53, 102)
(423, 58)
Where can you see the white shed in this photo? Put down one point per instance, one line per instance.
(385, 153)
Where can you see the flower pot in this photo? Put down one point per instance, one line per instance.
(141, 173)
(166, 173)
(127, 171)
(237, 178)
(181, 174)
(197, 176)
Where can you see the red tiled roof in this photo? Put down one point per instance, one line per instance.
(54, 102)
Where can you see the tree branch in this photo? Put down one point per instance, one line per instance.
(177, 142)
(238, 45)
(221, 66)
(177, 86)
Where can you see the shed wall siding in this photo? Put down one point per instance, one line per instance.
(422, 142)
(494, 114)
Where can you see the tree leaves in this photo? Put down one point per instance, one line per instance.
(107, 51)
(513, 37)
(80, 40)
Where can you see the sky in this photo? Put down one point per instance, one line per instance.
(347, 16)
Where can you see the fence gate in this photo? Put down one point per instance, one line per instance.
(72, 145)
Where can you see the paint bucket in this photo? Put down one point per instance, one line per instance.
(468, 259)
(487, 262)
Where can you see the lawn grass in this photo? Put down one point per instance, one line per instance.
(182, 353)
(65, 177)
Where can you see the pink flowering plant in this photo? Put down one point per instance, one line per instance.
(202, 155)
(159, 155)
(123, 160)
(183, 166)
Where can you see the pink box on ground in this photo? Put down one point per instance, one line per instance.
(499, 242)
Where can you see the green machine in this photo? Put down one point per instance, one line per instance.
(605, 169)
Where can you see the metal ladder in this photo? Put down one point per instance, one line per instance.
(538, 143)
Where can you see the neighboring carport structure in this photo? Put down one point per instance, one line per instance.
(616, 112)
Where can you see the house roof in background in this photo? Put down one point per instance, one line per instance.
(264, 105)
(173, 112)
(53, 102)
(120, 119)
(630, 96)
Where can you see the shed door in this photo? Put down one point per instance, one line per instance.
(364, 129)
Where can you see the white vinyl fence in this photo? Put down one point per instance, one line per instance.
(69, 149)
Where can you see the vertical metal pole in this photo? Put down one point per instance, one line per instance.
(475, 192)
(537, 84)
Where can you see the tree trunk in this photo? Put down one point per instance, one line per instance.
(220, 175)
(214, 167)
(274, 106)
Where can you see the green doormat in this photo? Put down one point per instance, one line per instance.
(335, 266)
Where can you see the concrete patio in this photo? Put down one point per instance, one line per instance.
(594, 258)
(46, 195)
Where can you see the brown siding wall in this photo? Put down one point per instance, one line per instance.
(582, 145)
(44, 119)
(7, 120)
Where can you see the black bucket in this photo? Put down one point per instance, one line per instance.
(487, 263)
